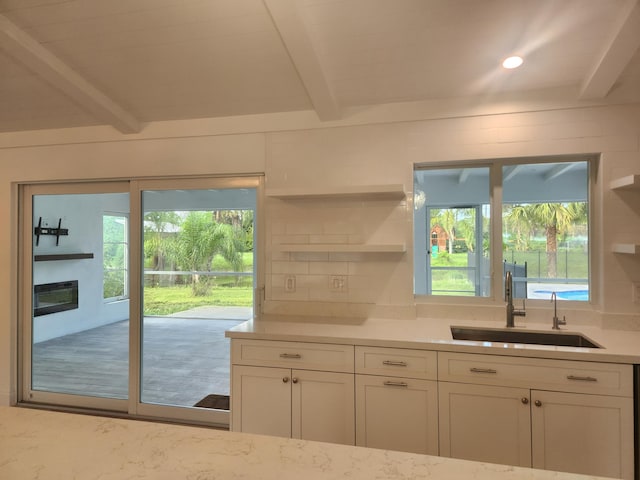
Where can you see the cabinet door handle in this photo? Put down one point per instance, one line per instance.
(290, 355)
(525, 400)
(394, 363)
(482, 370)
(389, 383)
(582, 379)
(538, 403)
(294, 380)
(285, 379)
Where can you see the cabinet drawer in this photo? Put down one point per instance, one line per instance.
(538, 373)
(398, 362)
(306, 356)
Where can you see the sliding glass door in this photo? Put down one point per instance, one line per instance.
(128, 290)
(76, 302)
(198, 280)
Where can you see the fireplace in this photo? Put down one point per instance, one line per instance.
(55, 297)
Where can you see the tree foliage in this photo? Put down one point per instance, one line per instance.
(556, 219)
(189, 242)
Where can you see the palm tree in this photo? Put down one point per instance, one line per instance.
(199, 240)
(555, 218)
(519, 220)
(157, 243)
(466, 226)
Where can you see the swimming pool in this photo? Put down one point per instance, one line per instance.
(576, 295)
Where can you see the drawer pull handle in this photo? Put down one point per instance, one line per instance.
(394, 363)
(290, 355)
(396, 384)
(582, 379)
(482, 370)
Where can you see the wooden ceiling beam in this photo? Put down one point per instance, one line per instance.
(28, 51)
(289, 23)
(510, 172)
(620, 49)
(558, 170)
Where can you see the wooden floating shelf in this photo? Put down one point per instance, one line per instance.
(62, 256)
(340, 248)
(630, 182)
(391, 192)
(627, 248)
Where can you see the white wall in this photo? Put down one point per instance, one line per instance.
(378, 284)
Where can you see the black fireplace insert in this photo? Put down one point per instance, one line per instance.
(55, 297)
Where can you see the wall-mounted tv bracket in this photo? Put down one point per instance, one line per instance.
(58, 232)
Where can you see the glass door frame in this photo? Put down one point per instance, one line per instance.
(131, 406)
(136, 406)
(25, 304)
(477, 267)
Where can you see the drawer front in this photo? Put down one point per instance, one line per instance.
(398, 362)
(306, 356)
(538, 373)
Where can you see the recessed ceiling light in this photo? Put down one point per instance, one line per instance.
(512, 62)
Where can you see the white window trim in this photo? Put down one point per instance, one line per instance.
(495, 197)
(127, 244)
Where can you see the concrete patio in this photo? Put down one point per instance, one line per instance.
(185, 357)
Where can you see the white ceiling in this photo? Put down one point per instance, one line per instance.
(125, 63)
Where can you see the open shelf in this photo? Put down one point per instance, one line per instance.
(630, 182)
(62, 256)
(340, 248)
(391, 192)
(628, 248)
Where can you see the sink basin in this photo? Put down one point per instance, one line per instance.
(519, 336)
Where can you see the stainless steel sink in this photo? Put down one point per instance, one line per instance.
(519, 336)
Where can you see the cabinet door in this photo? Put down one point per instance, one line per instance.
(589, 434)
(485, 423)
(261, 400)
(397, 414)
(323, 406)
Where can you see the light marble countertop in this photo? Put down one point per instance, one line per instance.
(619, 346)
(45, 445)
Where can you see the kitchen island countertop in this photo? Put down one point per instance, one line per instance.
(46, 445)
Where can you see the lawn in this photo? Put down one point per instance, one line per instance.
(168, 300)
(165, 300)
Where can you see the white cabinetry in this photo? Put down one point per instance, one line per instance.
(485, 423)
(397, 399)
(590, 434)
(290, 389)
(571, 416)
(555, 415)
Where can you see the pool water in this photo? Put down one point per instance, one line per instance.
(577, 295)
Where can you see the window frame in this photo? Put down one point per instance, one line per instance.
(125, 269)
(495, 229)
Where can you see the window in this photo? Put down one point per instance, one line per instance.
(115, 256)
(543, 238)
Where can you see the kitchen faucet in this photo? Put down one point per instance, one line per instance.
(508, 296)
(556, 321)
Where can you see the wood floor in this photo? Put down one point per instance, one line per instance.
(184, 359)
